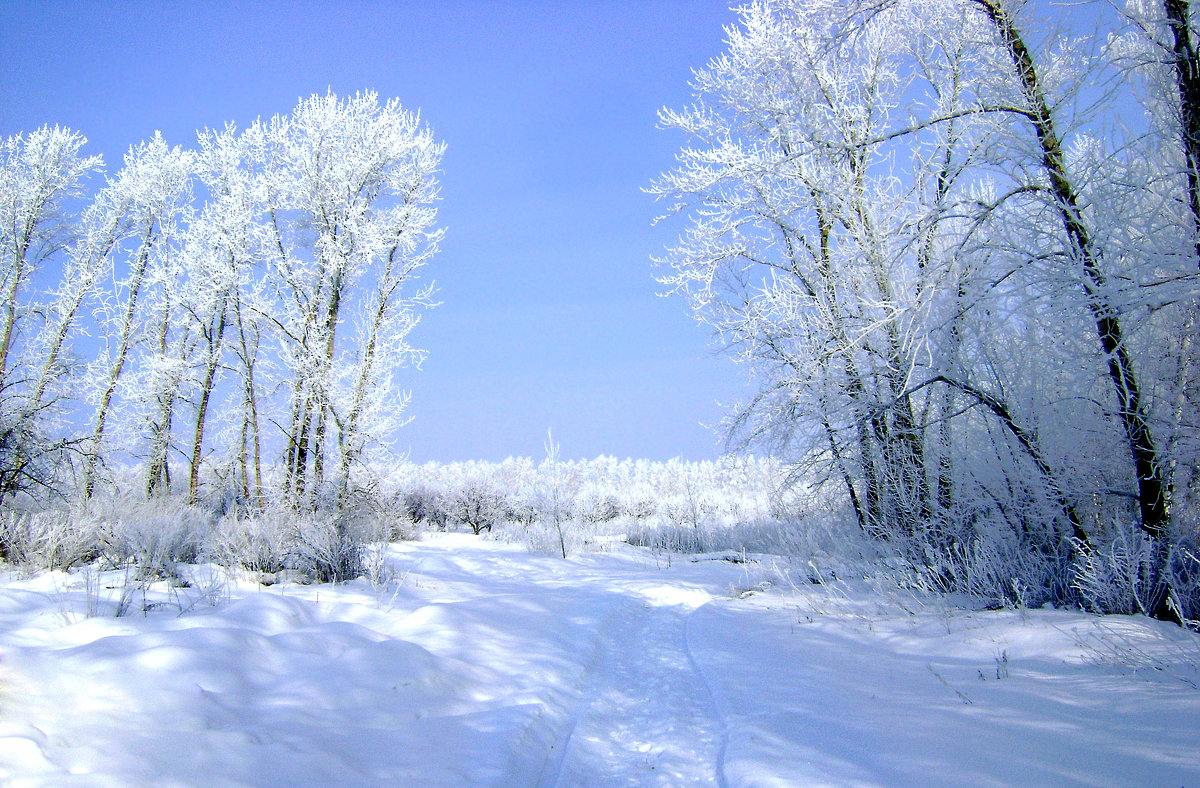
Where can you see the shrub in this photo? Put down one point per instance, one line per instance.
(423, 506)
(47, 540)
(521, 509)
(327, 549)
(668, 537)
(155, 536)
(477, 505)
(255, 543)
(1119, 575)
(640, 507)
(598, 507)
(1183, 581)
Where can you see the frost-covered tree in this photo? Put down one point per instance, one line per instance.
(954, 287)
(38, 173)
(150, 196)
(225, 246)
(556, 489)
(273, 269)
(806, 252)
(349, 188)
(1160, 55)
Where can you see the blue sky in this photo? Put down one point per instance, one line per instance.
(549, 316)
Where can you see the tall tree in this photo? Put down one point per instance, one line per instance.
(896, 219)
(153, 189)
(349, 188)
(38, 173)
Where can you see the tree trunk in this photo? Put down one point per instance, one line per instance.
(249, 356)
(349, 443)
(905, 490)
(1186, 65)
(297, 449)
(83, 279)
(1152, 493)
(141, 263)
(324, 405)
(158, 474)
(10, 307)
(1186, 62)
(214, 333)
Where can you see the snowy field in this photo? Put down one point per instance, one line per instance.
(474, 663)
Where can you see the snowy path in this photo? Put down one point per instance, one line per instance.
(482, 665)
(632, 709)
(645, 716)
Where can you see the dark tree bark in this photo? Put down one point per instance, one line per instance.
(1152, 491)
(214, 334)
(1186, 65)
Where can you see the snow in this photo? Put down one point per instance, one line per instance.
(476, 664)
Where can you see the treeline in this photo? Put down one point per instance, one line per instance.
(730, 491)
(237, 311)
(554, 506)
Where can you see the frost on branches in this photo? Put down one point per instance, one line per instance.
(256, 293)
(963, 274)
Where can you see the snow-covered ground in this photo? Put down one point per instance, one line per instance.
(479, 664)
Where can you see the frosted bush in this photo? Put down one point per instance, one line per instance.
(991, 569)
(814, 538)
(545, 538)
(640, 506)
(597, 506)
(1117, 577)
(255, 543)
(322, 546)
(47, 540)
(326, 549)
(377, 516)
(669, 537)
(477, 505)
(154, 535)
(521, 509)
(1183, 582)
(425, 506)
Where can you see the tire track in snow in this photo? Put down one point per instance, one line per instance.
(624, 702)
(644, 714)
(712, 697)
(552, 766)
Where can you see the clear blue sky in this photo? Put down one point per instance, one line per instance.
(549, 315)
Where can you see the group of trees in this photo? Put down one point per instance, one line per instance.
(232, 309)
(959, 244)
(556, 504)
